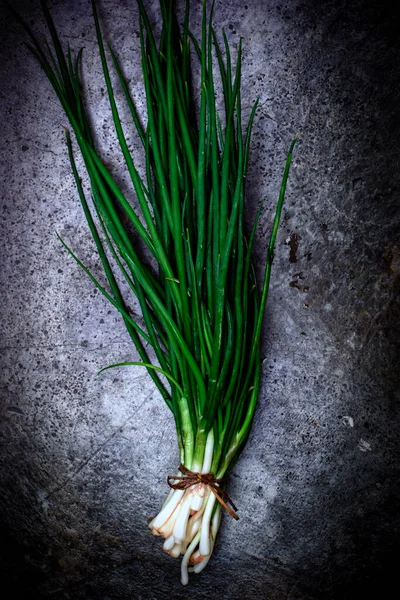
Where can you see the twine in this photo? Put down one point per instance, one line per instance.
(190, 478)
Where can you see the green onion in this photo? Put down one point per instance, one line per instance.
(201, 307)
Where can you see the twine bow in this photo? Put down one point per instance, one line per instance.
(190, 478)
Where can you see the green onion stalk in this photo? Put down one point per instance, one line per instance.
(201, 306)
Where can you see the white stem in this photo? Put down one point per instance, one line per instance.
(208, 453)
(169, 543)
(192, 528)
(167, 510)
(196, 557)
(198, 567)
(216, 521)
(185, 560)
(188, 520)
(199, 513)
(170, 493)
(175, 550)
(205, 548)
(196, 467)
(198, 496)
(179, 531)
(167, 528)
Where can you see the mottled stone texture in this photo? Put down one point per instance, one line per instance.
(84, 458)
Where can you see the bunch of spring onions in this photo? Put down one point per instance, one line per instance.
(199, 300)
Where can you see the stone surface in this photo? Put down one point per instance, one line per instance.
(84, 458)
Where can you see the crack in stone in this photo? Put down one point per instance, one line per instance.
(98, 449)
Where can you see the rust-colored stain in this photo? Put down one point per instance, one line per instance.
(295, 283)
(293, 244)
(298, 286)
(299, 275)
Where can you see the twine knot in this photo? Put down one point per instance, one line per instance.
(190, 478)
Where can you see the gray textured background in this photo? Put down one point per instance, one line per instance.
(83, 458)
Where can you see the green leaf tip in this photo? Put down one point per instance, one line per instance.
(147, 366)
